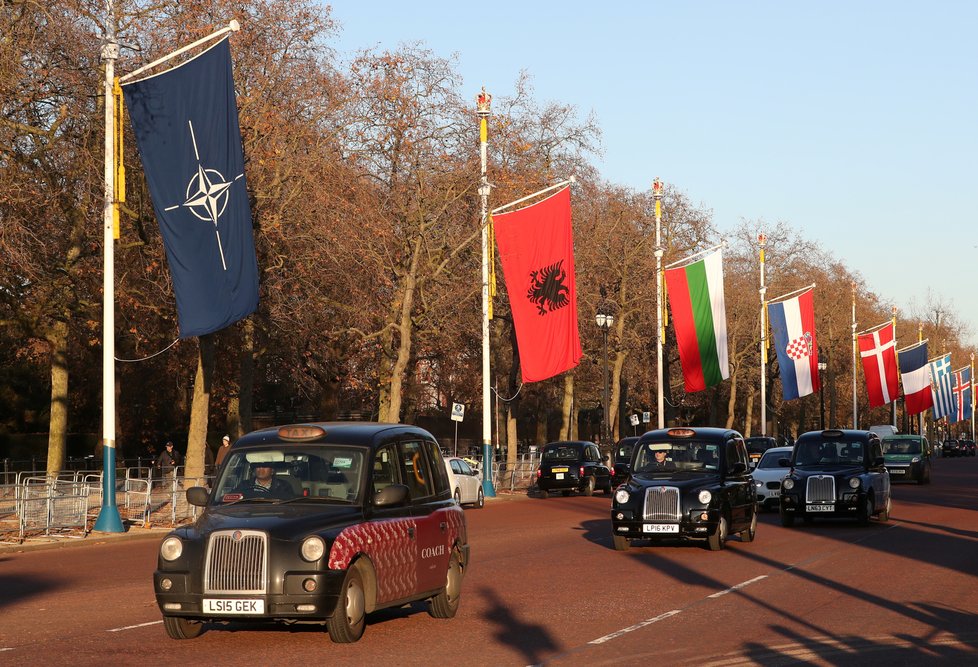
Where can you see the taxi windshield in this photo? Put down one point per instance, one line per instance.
(901, 446)
(624, 452)
(677, 455)
(828, 452)
(293, 472)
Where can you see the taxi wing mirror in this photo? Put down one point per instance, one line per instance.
(878, 461)
(389, 496)
(738, 468)
(197, 496)
(605, 458)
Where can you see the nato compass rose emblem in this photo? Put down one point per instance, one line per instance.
(207, 194)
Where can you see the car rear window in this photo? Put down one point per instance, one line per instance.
(561, 454)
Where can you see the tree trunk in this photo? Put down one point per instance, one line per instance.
(246, 383)
(391, 412)
(200, 408)
(543, 423)
(616, 372)
(749, 414)
(512, 437)
(567, 408)
(57, 336)
(732, 401)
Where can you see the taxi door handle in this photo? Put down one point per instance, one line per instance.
(411, 532)
(443, 526)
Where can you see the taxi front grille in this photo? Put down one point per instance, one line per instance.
(237, 562)
(821, 488)
(661, 503)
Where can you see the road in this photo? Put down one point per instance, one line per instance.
(546, 587)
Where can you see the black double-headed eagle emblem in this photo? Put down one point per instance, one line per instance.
(547, 289)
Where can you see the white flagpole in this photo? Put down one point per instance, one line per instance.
(108, 520)
(893, 405)
(232, 26)
(511, 204)
(483, 102)
(762, 242)
(855, 403)
(660, 405)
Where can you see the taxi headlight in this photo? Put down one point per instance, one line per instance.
(853, 482)
(915, 459)
(621, 496)
(313, 548)
(788, 483)
(705, 496)
(171, 548)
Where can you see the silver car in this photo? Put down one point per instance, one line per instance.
(768, 475)
(466, 482)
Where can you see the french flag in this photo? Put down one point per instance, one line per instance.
(793, 325)
(916, 378)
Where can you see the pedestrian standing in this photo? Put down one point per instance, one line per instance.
(167, 462)
(222, 451)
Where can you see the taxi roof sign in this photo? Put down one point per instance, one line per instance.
(681, 433)
(301, 432)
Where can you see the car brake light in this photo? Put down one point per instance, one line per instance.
(539, 472)
(582, 471)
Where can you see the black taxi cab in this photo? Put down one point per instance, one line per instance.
(317, 523)
(623, 459)
(572, 465)
(688, 483)
(836, 473)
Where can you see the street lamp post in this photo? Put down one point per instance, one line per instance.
(605, 318)
(821, 390)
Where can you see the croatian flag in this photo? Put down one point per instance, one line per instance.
(962, 394)
(940, 384)
(878, 351)
(793, 325)
(916, 378)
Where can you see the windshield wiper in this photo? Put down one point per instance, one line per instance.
(321, 499)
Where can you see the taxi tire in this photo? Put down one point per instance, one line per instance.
(884, 516)
(719, 537)
(748, 534)
(787, 520)
(458, 497)
(589, 487)
(347, 622)
(445, 604)
(865, 511)
(480, 500)
(178, 627)
(621, 543)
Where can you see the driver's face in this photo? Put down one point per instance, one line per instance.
(263, 473)
(660, 455)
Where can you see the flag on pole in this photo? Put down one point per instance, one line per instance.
(793, 325)
(186, 125)
(941, 383)
(536, 250)
(700, 320)
(878, 351)
(916, 378)
(962, 395)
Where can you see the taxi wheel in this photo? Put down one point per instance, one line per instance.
(719, 536)
(748, 535)
(445, 604)
(458, 497)
(589, 487)
(621, 543)
(348, 620)
(865, 511)
(480, 501)
(182, 628)
(787, 520)
(884, 516)
(565, 493)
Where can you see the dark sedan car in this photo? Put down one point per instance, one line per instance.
(688, 483)
(756, 446)
(572, 465)
(967, 448)
(623, 460)
(836, 473)
(317, 523)
(950, 448)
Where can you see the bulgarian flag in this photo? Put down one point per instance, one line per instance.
(700, 319)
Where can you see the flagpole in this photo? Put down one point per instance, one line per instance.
(855, 403)
(660, 395)
(692, 258)
(920, 415)
(483, 102)
(108, 520)
(785, 297)
(972, 395)
(499, 209)
(232, 26)
(893, 405)
(762, 242)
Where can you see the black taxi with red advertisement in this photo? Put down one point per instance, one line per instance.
(317, 523)
(686, 483)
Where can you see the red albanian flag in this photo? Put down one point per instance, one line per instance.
(536, 250)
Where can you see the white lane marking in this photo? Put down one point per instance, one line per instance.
(5, 649)
(131, 627)
(738, 586)
(632, 628)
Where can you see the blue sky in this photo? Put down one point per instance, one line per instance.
(854, 122)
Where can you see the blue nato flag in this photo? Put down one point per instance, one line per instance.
(186, 125)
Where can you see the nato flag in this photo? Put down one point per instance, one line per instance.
(186, 125)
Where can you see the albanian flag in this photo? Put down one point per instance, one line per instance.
(536, 250)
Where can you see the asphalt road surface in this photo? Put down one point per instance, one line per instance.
(546, 587)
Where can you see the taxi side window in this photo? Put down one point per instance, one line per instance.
(439, 474)
(741, 449)
(417, 475)
(386, 470)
